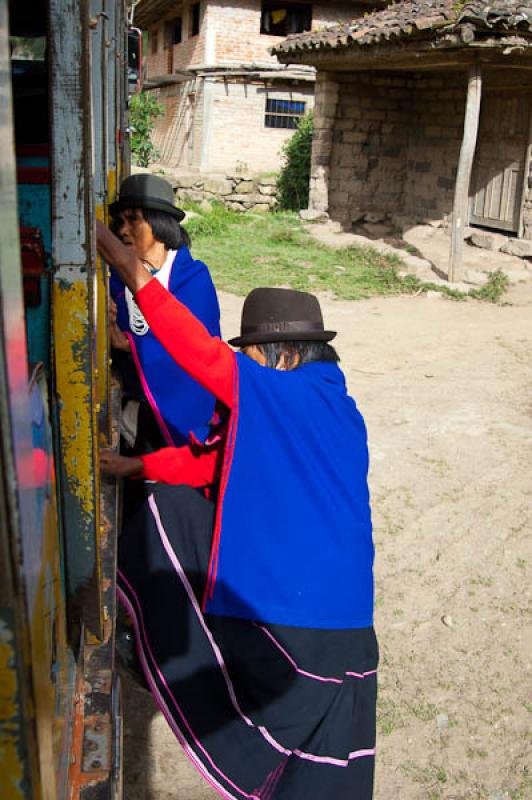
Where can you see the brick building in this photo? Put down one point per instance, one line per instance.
(229, 104)
(424, 109)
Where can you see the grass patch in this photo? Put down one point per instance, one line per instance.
(244, 251)
(389, 716)
(214, 222)
(493, 289)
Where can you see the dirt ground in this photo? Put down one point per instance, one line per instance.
(446, 391)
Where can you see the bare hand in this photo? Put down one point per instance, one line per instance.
(118, 338)
(112, 463)
(122, 257)
(113, 311)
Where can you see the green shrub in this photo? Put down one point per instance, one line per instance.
(144, 108)
(294, 179)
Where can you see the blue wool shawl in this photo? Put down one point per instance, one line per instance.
(179, 403)
(293, 541)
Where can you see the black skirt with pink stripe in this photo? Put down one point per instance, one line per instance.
(266, 712)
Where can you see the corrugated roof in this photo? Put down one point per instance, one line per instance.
(414, 18)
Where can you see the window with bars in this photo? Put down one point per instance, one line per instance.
(283, 113)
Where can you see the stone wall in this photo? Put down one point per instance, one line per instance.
(368, 143)
(237, 191)
(325, 109)
(434, 133)
(388, 145)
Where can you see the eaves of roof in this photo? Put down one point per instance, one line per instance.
(149, 12)
(413, 19)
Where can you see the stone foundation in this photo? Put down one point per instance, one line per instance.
(239, 192)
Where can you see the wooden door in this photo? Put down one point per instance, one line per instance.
(498, 172)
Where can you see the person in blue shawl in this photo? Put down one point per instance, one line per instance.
(253, 615)
(167, 403)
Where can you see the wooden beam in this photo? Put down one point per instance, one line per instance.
(463, 177)
(526, 174)
(412, 55)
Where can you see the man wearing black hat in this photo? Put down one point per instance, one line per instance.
(268, 674)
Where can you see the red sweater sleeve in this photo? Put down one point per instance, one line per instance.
(206, 358)
(181, 465)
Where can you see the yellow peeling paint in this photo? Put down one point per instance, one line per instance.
(75, 357)
(11, 767)
(111, 185)
(71, 315)
(50, 655)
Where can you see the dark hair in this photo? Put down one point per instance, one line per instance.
(165, 228)
(307, 352)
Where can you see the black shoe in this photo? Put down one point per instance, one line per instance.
(126, 653)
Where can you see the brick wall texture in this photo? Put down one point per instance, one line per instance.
(214, 124)
(178, 133)
(238, 134)
(235, 134)
(229, 33)
(191, 50)
(237, 28)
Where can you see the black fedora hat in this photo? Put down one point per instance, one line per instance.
(146, 191)
(281, 315)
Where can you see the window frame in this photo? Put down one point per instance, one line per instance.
(273, 112)
(170, 27)
(269, 6)
(177, 21)
(195, 20)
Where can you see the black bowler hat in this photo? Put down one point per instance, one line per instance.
(146, 191)
(281, 315)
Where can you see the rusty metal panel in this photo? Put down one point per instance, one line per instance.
(19, 771)
(96, 758)
(99, 51)
(17, 743)
(125, 149)
(15, 779)
(53, 663)
(75, 304)
(36, 665)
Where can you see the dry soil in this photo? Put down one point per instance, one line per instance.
(445, 388)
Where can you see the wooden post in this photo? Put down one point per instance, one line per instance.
(526, 175)
(463, 177)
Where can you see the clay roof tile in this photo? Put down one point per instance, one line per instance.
(412, 17)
